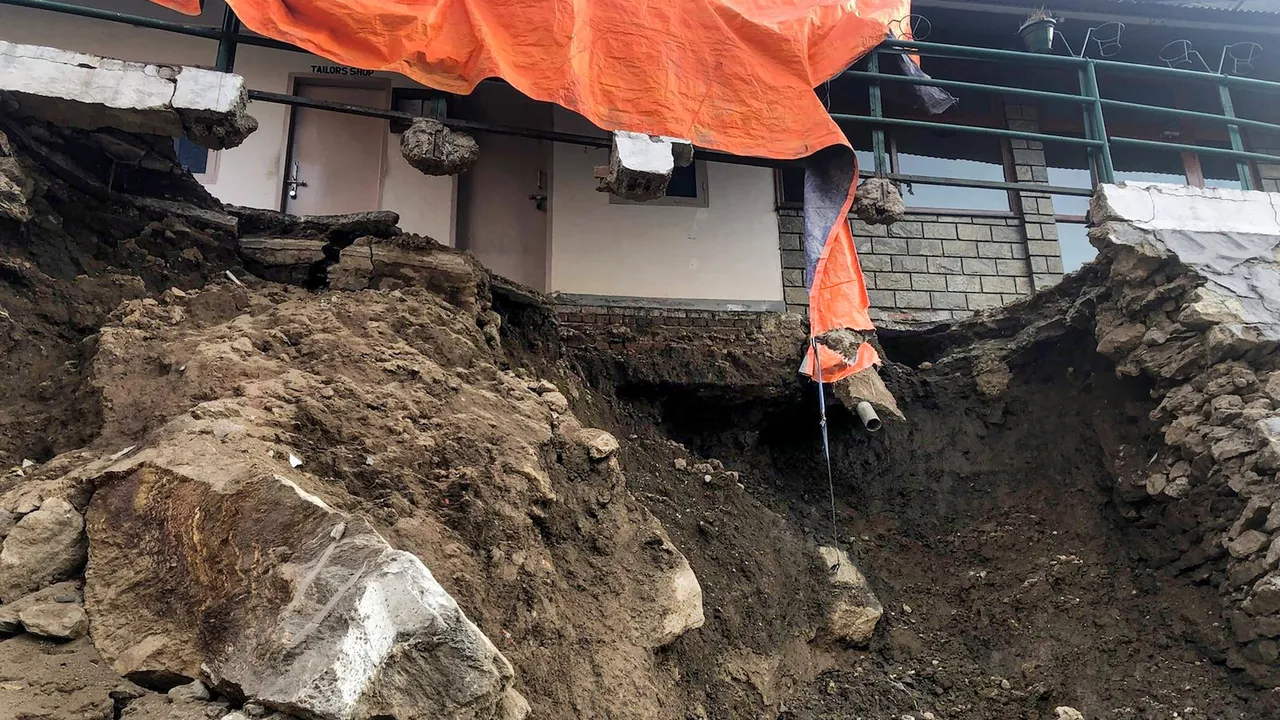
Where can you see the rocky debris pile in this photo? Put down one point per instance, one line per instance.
(1192, 308)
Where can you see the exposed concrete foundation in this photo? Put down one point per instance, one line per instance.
(91, 92)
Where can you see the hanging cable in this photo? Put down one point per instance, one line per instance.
(826, 451)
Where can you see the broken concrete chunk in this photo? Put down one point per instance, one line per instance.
(91, 92)
(866, 385)
(286, 260)
(1067, 713)
(854, 610)
(879, 202)
(44, 547)
(58, 621)
(640, 165)
(434, 149)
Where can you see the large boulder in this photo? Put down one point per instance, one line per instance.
(44, 547)
(224, 573)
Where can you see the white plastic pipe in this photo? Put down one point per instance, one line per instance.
(867, 415)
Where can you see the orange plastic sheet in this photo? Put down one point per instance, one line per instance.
(729, 75)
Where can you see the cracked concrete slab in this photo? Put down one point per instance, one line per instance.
(92, 92)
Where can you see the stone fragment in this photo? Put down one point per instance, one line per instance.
(90, 92)
(1121, 341)
(7, 521)
(854, 611)
(681, 602)
(556, 401)
(680, 464)
(11, 623)
(194, 690)
(58, 621)
(1249, 542)
(1266, 596)
(44, 547)
(640, 165)
(434, 149)
(512, 706)
(1064, 712)
(599, 444)
(350, 627)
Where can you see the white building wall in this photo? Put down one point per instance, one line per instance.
(251, 174)
(725, 251)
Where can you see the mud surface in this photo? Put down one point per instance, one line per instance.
(449, 413)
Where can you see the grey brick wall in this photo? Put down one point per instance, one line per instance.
(934, 267)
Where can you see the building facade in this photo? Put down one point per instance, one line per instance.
(727, 237)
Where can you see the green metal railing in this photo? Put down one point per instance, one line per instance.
(1096, 140)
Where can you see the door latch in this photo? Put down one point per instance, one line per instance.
(294, 183)
(539, 201)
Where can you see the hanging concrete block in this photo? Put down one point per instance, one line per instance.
(640, 165)
(434, 149)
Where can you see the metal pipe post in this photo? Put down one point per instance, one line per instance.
(1237, 142)
(1099, 124)
(877, 111)
(227, 42)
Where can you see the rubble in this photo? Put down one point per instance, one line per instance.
(66, 88)
(434, 149)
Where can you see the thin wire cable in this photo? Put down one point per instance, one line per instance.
(826, 451)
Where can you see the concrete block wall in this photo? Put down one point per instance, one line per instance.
(933, 267)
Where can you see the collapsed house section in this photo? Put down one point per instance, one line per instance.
(1193, 308)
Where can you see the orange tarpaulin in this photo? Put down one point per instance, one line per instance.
(729, 75)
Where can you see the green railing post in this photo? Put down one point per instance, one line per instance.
(1094, 174)
(1233, 130)
(226, 61)
(877, 111)
(1099, 125)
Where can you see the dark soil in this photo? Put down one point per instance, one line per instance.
(1012, 584)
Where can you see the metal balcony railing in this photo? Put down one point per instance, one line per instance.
(1096, 138)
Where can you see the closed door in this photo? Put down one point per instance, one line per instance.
(503, 199)
(335, 159)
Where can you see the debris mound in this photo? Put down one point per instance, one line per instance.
(315, 467)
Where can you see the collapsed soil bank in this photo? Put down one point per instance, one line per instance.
(446, 407)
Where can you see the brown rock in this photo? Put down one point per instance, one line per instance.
(854, 610)
(11, 623)
(1249, 542)
(599, 444)
(44, 547)
(58, 621)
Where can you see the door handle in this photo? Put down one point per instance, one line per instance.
(539, 201)
(294, 183)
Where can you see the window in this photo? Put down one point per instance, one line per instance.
(192, 157)
(420, 102)
(1068, 167)
(686, 188)
(950, 154)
